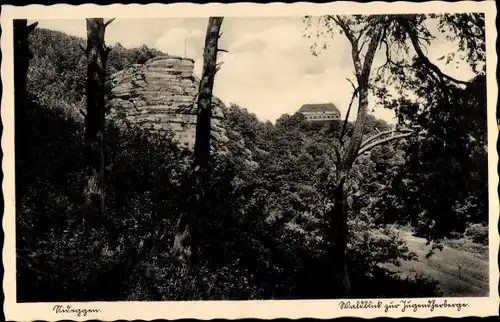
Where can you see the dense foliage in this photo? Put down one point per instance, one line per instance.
(264, 201)
(455, 140)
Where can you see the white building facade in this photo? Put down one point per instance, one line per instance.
(320, 112)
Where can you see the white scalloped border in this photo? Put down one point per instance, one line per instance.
(232, 309)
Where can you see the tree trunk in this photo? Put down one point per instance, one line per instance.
(336, 244)
(358, 130)
(97, 55)
(22, 56)
(204, 104)
(186, 241)
(336, 235)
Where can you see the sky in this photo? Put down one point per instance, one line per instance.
(269, 68)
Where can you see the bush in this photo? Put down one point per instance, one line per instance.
(478, 233)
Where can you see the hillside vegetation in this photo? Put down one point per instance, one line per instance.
(264, 208)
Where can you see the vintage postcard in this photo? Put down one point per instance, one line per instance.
(250, 160)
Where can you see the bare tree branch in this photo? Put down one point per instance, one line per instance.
(387, 56)
(354, 87)
(363, 84)
(345, 27)
(377, 143)
(344, 126)
(416, 45)
(361, 33)
(389, 60)
(378, 135)
(370, 54)
(222, 50)
(354, 43)
(338, 156)
(31, 27)
(218, 66)
(108, 22)
(363, 44)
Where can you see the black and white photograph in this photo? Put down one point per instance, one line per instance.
(326, 156)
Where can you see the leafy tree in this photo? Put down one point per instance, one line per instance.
(442, 202)
(376, 31)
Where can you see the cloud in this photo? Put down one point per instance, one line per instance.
(272, 72)
(249, 45)
(181, 42)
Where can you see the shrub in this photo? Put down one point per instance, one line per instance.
(478, 233)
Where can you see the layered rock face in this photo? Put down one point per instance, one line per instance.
(160, 96)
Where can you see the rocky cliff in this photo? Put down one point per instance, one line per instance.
(160, 96)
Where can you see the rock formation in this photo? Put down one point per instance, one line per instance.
(160, 96)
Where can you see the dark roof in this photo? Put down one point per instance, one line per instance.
(327, 107)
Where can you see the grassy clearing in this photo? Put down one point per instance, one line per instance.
(467, 245)
(461, 270)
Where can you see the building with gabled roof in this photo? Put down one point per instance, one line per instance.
(320, 112)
